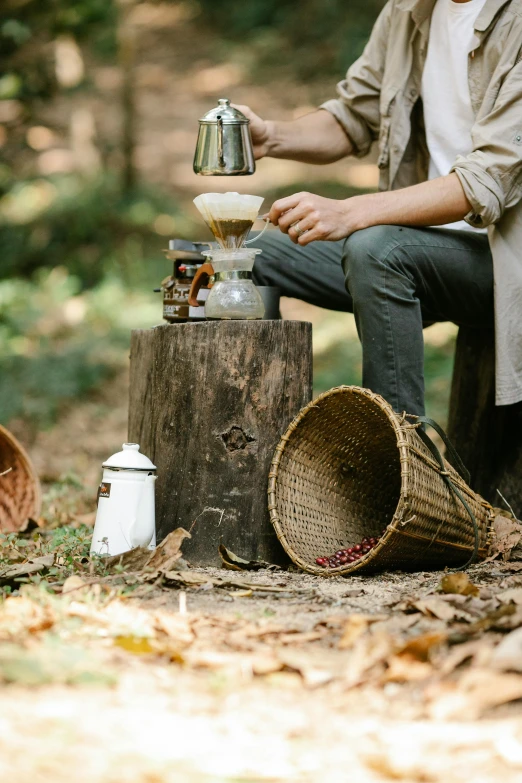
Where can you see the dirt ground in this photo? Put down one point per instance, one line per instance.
(217, 675)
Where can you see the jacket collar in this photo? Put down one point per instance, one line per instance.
(488, 13)
(422, 9)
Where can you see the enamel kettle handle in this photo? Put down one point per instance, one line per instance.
(201, 278)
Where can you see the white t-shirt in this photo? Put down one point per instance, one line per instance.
(448, 115)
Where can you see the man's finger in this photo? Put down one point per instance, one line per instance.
(282, 205)
(289, 218)
(300, 226)
(309, 236)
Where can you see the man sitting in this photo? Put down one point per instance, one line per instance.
(439, 85)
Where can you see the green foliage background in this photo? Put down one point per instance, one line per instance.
(71, 244)
(310, 38)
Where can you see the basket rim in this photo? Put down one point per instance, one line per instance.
(398, 424)
(28, 465)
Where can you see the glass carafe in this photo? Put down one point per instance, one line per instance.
(233, 294)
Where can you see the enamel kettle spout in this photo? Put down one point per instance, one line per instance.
(143, 525)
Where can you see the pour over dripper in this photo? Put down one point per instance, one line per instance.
(230, 217)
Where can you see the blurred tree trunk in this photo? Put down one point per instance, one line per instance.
(488, 438)
(127, 57)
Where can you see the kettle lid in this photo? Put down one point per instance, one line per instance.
(226, 113)
(129, 458)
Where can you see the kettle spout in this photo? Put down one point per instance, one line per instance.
(143, 526)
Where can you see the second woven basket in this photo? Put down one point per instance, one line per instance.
(348, 467)
(20, 493)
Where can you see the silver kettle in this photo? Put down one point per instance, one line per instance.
(224, 145)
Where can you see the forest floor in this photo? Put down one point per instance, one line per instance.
(172, 674)
(209, 675)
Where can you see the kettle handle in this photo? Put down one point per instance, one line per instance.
(201, 277)
(221, 154)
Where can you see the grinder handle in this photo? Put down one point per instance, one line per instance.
(201, 278)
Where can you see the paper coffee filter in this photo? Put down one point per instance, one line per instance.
(228, 206)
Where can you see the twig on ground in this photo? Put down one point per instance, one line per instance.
(208, 508)
(507, 504)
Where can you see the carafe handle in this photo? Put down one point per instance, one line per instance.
(258, 236)
(202, 277)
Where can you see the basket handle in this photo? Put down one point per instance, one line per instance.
(452, 454)
(459, 467)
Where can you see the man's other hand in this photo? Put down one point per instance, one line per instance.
(307, 218)
(259, 129)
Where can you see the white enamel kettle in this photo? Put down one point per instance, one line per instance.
(126, 516)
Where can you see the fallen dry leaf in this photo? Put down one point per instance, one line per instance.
(512, 596)
(133, 560)
(405, 669)
(356, 625)
(235, 563)
(477, 691)
(135, 645)
(175, 626)
(507, 534)
(458, 583)
(438, 608)
(313, 673)
(468, 651)
(495, 620)
(301, 638)
(188, 579)
(370, 652)
(72, 584)
(168, 552)
(422, 647)
(20, 615)
(508, 655)
(509, 567)
(265, 663)
(162, 559)
(32, 566)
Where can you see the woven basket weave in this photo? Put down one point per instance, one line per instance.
(349, 467)
(20, 494)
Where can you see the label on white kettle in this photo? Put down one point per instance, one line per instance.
(104, 490)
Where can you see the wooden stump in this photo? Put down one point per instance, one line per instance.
(488, 438)
(209, 402)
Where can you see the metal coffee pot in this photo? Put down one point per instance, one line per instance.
(224, 146)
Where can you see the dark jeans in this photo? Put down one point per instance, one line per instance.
(395, 280)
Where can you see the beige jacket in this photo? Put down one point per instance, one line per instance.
(379, 100)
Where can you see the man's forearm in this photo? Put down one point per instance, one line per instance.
(314, 138)
(306, 217)
(433, 203)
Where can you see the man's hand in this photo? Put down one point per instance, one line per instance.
(307, 218)
(314, 138)
(259, 129)
(432, 203)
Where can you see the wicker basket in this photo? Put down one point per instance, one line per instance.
(20, 494)
(349, 467)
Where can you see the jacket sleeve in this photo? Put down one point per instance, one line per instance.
(357, 107)
(491, 174)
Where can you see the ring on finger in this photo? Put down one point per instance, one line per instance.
(298, 231)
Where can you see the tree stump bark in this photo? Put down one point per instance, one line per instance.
(488, 438)
(208, 404)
